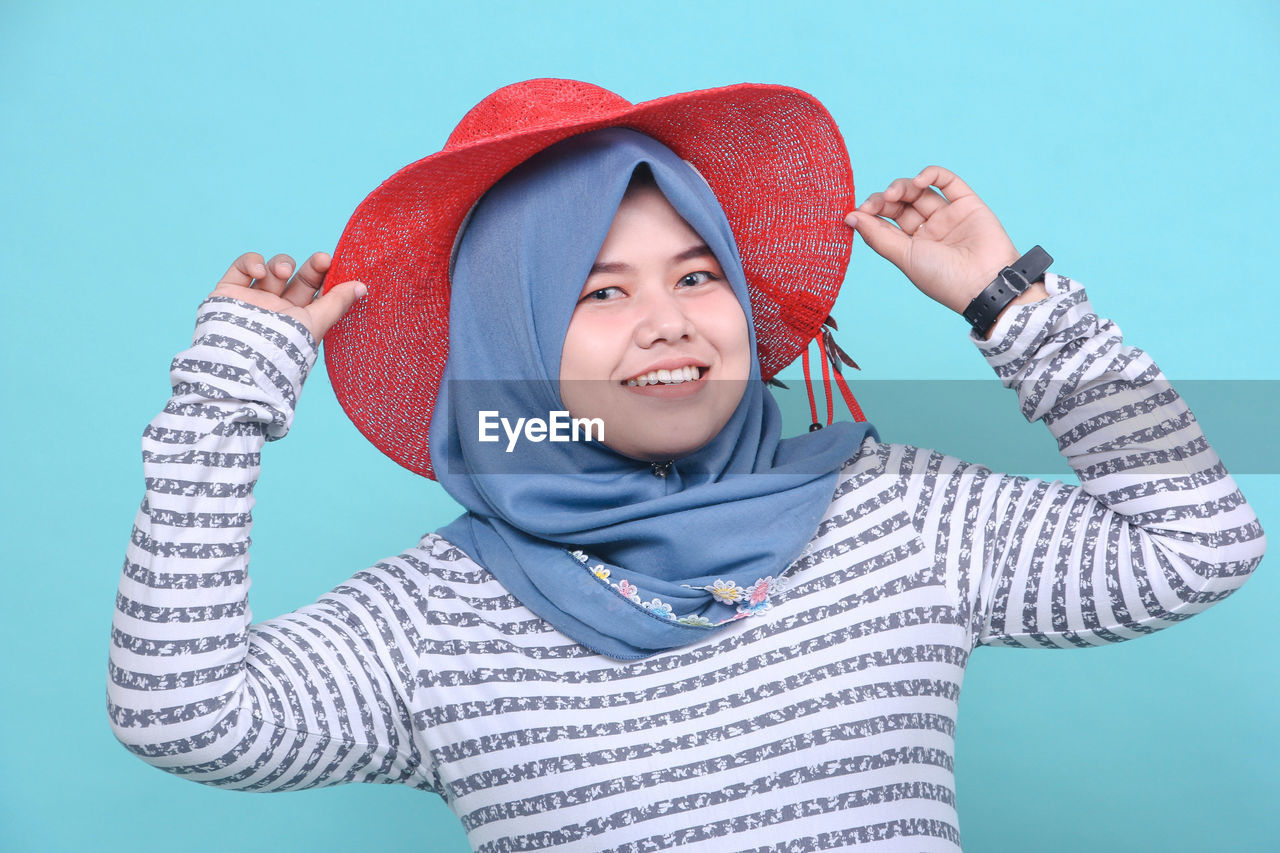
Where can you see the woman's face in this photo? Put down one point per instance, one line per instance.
(658, 345)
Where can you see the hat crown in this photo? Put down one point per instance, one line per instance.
(534, 105)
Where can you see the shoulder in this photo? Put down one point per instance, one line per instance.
(401, 598)
(434, 557)
(905, 477)
(409, 579)
(884, 465)
(869, 480)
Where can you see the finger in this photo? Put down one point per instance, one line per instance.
(244, 270)
(903, 190)
(877, 205)
(308, 280)
(889, 242)
(917, 194)
(872, 204)
(949, 183)
(910, 221)
(328, 309)
(929, 206)
(908, 216)
(929, 202)
(904, 216)
(279, 268)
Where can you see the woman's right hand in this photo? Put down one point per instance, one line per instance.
(267, 285)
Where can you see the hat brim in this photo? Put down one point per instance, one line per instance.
(772, 155)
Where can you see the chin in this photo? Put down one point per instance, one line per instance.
(660, 452)
(675, 454)
(660, 431)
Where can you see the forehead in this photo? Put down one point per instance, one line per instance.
(647, 224)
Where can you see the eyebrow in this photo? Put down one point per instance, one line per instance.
(699, 251)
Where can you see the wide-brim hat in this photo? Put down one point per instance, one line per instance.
(772, 155)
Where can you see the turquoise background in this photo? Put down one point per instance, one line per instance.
(145, 145)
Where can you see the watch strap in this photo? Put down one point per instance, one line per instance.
(1009, 282)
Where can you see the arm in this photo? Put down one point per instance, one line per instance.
(1156, 532)
(313, 698)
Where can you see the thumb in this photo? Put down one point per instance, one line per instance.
(888, 241)
(337, 301)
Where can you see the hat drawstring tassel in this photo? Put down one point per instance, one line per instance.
(808, 387)
(854, 408)
(826, 386)
(834, 357)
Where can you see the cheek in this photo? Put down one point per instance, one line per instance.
(575, 366)
(732, 338)
(571, 359)
(590, 347)
(574, 355)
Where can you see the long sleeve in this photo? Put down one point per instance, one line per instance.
(313, 698)
(1156, 531)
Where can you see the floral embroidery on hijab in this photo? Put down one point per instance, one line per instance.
(751, 600)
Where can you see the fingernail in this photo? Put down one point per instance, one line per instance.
(361, 291)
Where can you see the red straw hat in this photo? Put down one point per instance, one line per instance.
(774, 159)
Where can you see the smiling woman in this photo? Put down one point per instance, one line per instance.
(644, 257)
(760, 647)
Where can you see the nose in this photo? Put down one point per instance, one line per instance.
(661, 318)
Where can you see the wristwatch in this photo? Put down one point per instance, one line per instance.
(1009, 282)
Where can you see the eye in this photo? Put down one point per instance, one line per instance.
(602, 295)
(700, 277)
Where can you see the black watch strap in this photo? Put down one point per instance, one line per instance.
(1009, 282)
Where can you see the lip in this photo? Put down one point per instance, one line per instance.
(669, 364)
(670, 392)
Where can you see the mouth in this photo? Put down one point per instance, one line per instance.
(673, 376)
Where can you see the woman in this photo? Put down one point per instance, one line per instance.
(686, 632)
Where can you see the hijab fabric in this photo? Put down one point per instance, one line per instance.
(626, 563)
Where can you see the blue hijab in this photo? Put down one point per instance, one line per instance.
(624, 562)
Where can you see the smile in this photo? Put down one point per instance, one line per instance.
(674, 376)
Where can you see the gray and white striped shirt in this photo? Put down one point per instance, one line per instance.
(827, 721)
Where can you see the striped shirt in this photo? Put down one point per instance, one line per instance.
(826, 721)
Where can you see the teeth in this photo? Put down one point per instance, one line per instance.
(687, 373)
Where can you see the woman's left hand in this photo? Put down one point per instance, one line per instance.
(948, 243)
